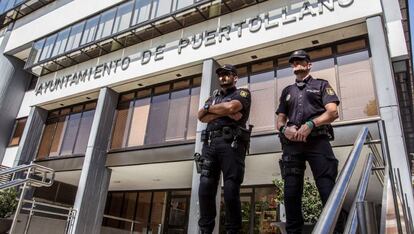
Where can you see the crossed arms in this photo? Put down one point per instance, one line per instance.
(231, 109)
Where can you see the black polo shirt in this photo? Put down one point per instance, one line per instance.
(306, 100)
(242, 95)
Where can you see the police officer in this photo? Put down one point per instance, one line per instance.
(306, 110)
(225, 142)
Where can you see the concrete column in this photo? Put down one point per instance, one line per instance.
(397, 46)
(31, 136)
(94, 181)
(388, 104)
(209, 83)
(13, 83)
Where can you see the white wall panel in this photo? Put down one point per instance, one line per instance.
(309, 25)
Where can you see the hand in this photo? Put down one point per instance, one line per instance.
(290, 132)
(236, 116)
(303, 133)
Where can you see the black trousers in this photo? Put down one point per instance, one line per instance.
(318, 152)
(220, 156)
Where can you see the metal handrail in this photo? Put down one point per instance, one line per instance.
(352, 222)
(133, 222)
(330, 213)
(36, 175)
(33, 175)
(70, 213)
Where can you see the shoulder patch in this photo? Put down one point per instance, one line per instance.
(244, 93)
(330, 91)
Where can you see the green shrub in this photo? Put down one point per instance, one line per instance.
(8, 202)
(311, 202)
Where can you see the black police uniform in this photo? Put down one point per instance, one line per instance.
(224, 149)
(302, 102)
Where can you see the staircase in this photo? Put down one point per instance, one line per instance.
(29, 176)
(363, 214)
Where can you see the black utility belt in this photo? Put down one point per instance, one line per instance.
(227, 133)
(325, 130)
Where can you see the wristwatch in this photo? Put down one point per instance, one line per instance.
(206, 107)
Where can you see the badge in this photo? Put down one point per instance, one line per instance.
(288, 97)
(244, 93)
(330, 91)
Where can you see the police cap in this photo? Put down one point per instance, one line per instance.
(228, 68)
(299, 54)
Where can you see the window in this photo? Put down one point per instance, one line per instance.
(17, 132)
(61, 42)
(356, 86)
(67, 131)
(179, 103)
(141, 11)
(105, 24)
(262, 87)
(161, 7)
(36, 51)
(149, 116)
(48, 47)
(123, 17)
(158, 115)
(75, 36)
(178, 4)
(33, 82)
(90, 30)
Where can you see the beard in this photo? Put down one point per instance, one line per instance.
(226, 83)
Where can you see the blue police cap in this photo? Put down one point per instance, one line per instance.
(299, 54)
(226, 67)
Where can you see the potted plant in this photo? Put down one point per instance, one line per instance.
(8, 204)
(311, 202)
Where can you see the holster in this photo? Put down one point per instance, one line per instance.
(324, 130)
(198, 162)
(282, 168)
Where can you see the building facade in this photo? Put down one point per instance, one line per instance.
(107, 92)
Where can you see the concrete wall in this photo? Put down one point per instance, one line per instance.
(13, 83)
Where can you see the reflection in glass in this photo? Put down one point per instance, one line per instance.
(105, 24)
(158, 211)
(70, 134)
(139, 122)
(18, 131)
(119, 136)
(158, 116)
(90, 30)
(75, 36)
(356, 85)
(285, 77)
(262, 87)
(265, 207)
(123, 17)
(48, 47)
(176, 127)
(36, 51)
(58, 137)
(84, 131)
(160, 8)
(141, 11)
(61, 41)
(192, 115)
(178, 4)
(46, 141)
(143, 211)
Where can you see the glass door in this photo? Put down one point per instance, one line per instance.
(177, 218)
